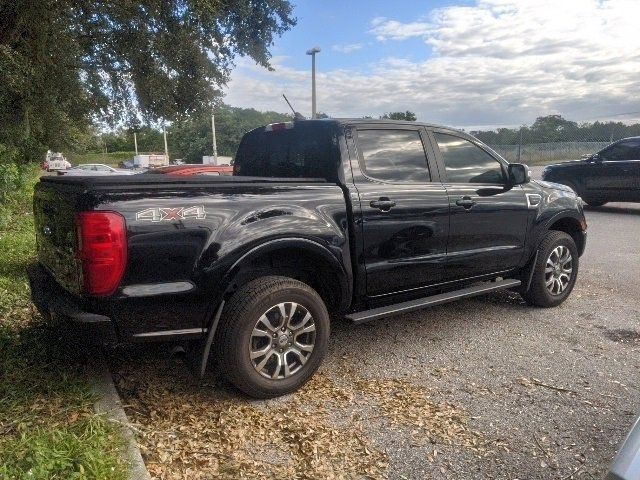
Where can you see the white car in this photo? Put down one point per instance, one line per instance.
(56, 164)
(94, 169)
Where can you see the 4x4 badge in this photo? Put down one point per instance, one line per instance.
(160, 214)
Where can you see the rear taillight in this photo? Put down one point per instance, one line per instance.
(102, 248)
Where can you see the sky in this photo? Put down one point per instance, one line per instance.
(475, 63)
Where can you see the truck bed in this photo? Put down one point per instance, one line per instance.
(150, 180)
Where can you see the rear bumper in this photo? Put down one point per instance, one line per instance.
(50, 299)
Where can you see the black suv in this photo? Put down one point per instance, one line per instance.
(611, 175)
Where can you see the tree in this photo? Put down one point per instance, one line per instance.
(554, 128)
(66, 63)
(409, 116)
(191, 138)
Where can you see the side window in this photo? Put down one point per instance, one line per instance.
(393, 155)
(625, 150)
(465, 162)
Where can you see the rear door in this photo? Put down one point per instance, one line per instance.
(488, 217)
(404, 208)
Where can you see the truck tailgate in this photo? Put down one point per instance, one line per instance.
(54, 215)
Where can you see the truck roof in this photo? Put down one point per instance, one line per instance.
(369, 121)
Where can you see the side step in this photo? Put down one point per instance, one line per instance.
(410, 306)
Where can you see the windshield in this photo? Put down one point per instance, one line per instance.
(305, 150)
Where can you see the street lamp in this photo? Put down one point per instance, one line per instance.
(313, 52)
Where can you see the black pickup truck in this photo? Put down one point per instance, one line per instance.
(355, 218)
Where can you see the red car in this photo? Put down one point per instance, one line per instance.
(194, 169)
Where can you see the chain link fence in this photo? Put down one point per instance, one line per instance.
(554, 139)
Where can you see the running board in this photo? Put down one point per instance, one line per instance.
(410, 306)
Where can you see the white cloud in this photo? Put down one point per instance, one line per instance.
(496, 62)
(347, 47)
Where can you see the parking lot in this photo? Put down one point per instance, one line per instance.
(482, 388)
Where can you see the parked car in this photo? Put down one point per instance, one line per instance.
(59, 164)
(360, 218)
(126, 164)
(611, 175)
(193, 169)
(95, 169)
(626, 465)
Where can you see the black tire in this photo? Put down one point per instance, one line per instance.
(538, 293)
(595, 203)
(237, 324)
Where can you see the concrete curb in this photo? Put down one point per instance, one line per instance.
(109, 405)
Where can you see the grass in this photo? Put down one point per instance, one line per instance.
(113, 158)
(47, 426)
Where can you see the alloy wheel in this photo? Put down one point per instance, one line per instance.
(282, 340)
(558, 270)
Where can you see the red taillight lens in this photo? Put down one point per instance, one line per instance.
(102, 248)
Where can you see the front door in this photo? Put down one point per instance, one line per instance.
(615, 175)
(488, 217)
(404, 213)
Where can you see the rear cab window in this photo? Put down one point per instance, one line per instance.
(304, 149)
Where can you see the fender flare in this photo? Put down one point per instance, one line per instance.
(546, 226)
(292, 242)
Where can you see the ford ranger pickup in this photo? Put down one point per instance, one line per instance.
(356, 218)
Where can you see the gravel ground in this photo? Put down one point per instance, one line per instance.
(482, 388)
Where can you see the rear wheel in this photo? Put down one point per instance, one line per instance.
(595, 203)
(555, 271)
(273, 336)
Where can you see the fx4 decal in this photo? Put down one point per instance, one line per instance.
(161, 214)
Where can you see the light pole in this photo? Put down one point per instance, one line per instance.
(313, 52)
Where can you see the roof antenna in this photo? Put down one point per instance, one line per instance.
(296, 115)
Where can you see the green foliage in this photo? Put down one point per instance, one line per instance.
(16, 188)
(81, 451)
(47, 427)
(113, 158)
(191, 139)
(409, 116)
(64, 63)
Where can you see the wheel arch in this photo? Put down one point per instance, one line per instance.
(570, 225)
(300, 258)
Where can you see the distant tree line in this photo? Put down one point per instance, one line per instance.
(554, 128)
(188, 139)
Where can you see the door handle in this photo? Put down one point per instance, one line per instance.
(383, 203)
(465, 202)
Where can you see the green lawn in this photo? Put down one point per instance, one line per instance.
(47, 426)
(113, 158)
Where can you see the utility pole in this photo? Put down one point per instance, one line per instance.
(213, 133)
(135, 142)
(520, 145)
(313, 52)
(166, 148)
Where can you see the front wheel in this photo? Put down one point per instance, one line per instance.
(555, 271)
(272, 337)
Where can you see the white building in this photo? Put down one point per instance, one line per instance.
(150, 160)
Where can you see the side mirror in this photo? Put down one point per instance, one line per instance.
(519, 174)
(595, 158)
